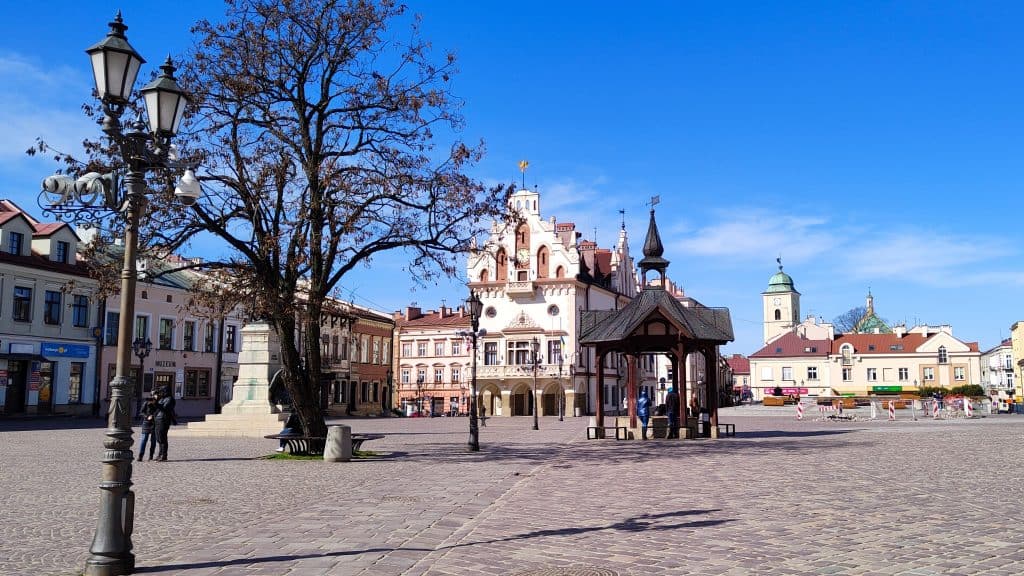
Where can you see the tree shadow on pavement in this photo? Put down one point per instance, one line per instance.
(639, 523)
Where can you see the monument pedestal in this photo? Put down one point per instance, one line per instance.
(250, 413)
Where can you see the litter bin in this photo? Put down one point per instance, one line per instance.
(338, 447)
(705, 423)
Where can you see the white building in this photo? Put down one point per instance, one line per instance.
(997, 370)
(534, 277)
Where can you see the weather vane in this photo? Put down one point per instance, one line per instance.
(622, 213)
(523, 165)
(654, 201)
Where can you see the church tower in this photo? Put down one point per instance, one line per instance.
(781, 304)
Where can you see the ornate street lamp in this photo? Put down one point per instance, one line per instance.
(419, 396)
(561, 390)
(535, 348)
(475, 307)
(115, 66)
(141, 347)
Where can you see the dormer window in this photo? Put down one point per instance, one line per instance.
(15, 242)
(943, 356)
(60, 252)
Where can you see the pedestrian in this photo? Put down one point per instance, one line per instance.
(643, 412)
(483, 415)
(694, 405)
(292, 427)
(672, 409)
(162, 420)
(146, 435)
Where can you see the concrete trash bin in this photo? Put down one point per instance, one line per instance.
(338, 447)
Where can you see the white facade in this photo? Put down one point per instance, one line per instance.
(534, 277)
(997, 370)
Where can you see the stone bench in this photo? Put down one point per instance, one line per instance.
(300, 445)
(358, 439)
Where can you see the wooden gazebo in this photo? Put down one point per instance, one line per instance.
(655, 322)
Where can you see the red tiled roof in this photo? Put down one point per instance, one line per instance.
(435, 320)
(6, 217)
(603, 261)
(791, 344)
(48, 228)
(878, 343)
(739, 364)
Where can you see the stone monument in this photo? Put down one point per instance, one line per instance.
(250, 412)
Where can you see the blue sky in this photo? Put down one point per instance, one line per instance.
(871, 144)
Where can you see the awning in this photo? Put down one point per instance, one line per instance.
(27, 357)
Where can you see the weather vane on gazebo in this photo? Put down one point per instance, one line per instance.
(523, 165)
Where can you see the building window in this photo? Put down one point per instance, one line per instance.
(778, 314)
(812, 372)
(75, 382)
(456, 375)
(163, 380)
(110, 329)
(886, 374)
(197, 383)
(364, 392)
(61, 252)
(421, 349)
(1008, 362)
(490, 353)
(166, 334)
(787, 373)
(456, 347)
(406, 349)
(554, 351)
(520, 352)
(958, 373)
(142, 327)
(405, 376)
(943, 356)
(364, 353)
(343, 351)
(376, 351)
(1009, 379)
(376, 387)
(80, 311)
(847, 374)
(22, 310)
(438, 375)
(386, 356)
(336, 347)
(766, 373)
(14, 242)
(904, 374)
(230, 335)
(438, 348)
(188, 338)
(208, 339)
(872, 375)
(51, 307)
(929, 374)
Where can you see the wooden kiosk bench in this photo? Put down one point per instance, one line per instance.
(599, 432)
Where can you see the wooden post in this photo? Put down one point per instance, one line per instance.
(631, 389)
(599, 421)
(711, 373)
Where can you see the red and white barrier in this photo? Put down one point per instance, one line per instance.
(892, 410)
(935, 409)
(968, 409)
(799, 411)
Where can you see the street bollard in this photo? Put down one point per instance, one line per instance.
(338, 447)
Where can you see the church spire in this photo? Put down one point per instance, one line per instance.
(653, 250)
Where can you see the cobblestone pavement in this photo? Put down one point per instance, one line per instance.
(783, 497)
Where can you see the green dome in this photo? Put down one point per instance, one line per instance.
(780, 282)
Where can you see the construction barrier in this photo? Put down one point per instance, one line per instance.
(799, 411)
(892, 410)
(968, 408)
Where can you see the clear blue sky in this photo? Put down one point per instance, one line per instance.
(871, 144)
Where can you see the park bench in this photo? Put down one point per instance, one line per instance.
(358, 439)
(300, 445)
(593, 434)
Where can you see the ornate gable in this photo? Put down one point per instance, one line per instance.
(522, 323)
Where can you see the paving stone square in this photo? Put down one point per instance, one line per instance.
(782, 497)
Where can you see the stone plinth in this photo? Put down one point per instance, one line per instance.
(250, 412)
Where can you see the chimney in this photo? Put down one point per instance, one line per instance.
(412, 313)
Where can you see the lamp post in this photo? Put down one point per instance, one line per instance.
(142, 149)
(385, 407)
(475, 307)
(535, 348)
(419, 395)
(561, 390)
(141, 347)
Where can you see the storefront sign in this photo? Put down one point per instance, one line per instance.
(887, 388)
(165, 363)
(788, 391)
(52, 349)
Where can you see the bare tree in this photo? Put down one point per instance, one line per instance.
(847, 321)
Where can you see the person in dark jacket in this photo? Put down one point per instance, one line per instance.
(672, 409)
(292, 427)
(643, 411)
(162, 420)
(146, 435)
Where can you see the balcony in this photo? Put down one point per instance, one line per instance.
(520, 288)
(503, 371)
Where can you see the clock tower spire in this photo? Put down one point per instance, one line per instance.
(781, 305)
